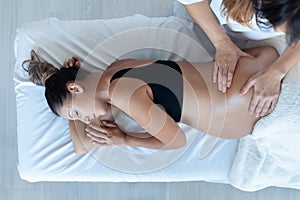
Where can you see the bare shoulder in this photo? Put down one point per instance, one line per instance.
(263, 52)
(123, 90)
(129, 63)
(119, 63)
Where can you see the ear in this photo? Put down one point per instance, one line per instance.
(74, 88)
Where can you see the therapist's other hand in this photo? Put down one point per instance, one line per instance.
(106, 134)
(266, 85)
(227, 56)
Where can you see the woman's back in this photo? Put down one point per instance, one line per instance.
(222, 114)
(203, 106)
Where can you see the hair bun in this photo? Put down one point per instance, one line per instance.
(38, 72)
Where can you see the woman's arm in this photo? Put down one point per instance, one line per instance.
(82, 144)
(134, 99)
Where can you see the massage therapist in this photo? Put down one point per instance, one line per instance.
(255, 20)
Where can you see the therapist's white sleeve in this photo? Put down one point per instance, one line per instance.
(186, 2)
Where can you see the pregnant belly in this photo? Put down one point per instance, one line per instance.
(213, 112)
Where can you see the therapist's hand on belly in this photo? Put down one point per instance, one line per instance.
(227, 56)
(266, 85)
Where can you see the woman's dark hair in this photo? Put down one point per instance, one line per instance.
(55, 80)
(278, 12)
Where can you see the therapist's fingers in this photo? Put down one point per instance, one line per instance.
(224, 78)
(230, 74)
(273, 104)
(219, 79)
(266, 107)
(253, 103)
(215, 72)
(259, 107)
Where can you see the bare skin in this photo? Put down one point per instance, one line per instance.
(265, 83)
(204, 107)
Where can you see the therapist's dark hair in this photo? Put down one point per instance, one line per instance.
(278, 12)
(54, 80)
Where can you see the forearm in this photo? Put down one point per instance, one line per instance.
(205, 18)
(82, 144)
(287, 60)
(151, 142)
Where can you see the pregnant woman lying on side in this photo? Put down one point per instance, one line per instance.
(156, 94)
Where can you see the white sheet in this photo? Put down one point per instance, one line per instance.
(44, 144)
(270, 156)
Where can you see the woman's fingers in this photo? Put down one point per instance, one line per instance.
(97, 139)
(100, 143)
(70, 62)
(74, 61)
(109, 124)
(100, 128)
(96, 133)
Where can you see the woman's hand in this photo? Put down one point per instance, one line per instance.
(266, 85)
(106, 134)
(71, 62)
(227, 56)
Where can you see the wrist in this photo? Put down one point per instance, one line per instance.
(222, 41)
(278, 72)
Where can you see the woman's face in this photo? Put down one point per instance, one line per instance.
(83, 106)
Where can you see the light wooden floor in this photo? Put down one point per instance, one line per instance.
(16, 12)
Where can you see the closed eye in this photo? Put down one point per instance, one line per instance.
(76, 113)
(70, 114)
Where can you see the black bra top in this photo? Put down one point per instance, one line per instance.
(166, 82)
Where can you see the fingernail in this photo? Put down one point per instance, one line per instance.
(87, 129)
